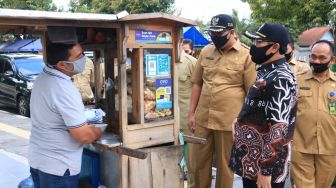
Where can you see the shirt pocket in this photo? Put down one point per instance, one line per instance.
(208, 70)
(232, 73)
(305, 99)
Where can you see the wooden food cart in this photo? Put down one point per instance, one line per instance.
(140, 146)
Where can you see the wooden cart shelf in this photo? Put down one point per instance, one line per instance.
(112, 143)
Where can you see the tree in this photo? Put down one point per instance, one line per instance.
(243, 25)
(47, 5)
(296, 15)
(131, 6)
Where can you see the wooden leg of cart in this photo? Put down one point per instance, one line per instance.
(123, 169)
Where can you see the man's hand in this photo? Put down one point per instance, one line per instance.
(97, 131)
(264, 181)
(192, 123)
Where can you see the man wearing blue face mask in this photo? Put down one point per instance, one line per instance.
(264, 128)
(221, 79)
(59, 127)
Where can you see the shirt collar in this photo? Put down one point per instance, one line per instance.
(236, 46)
(310, 75)
(292, 61)
(55, 72)
(273, 65)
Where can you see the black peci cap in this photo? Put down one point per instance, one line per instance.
(220, 23)
(272, 33)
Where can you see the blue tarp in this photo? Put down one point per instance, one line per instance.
(15, 47)
(35, 46)
(193, 34)
(4, 45)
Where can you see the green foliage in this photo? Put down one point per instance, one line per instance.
(47, 5)
(115, 6)
(202, 26)
(296, 15)
(242, 26)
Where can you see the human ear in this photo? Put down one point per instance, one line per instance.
(275, 48)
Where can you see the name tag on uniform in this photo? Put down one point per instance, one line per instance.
(305, 88)
(210, 58)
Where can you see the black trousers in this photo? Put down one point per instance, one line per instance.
(253, 184)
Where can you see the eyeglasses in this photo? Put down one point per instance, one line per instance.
(320, 58)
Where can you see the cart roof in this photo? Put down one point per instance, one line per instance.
(39, 15)
(48, 18)
(158, 16)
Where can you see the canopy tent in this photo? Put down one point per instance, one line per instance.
(15, 47)
(193, 34)
(4, 45)
(35, 46)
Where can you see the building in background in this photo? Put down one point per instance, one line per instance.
(309, 37)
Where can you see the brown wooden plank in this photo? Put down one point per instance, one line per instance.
(44, 45)
(122, 150)
(149, 137)
(123, 171)
(98, 46)
(141, 85)
(150, 125)
(135, 54)
(165, 170)
(122, 36)
(140, 174)
(97, 73)
(160, 16)
(133, 44)
(109, 55)
(179, 35)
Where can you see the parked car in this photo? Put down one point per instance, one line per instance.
(18, 72)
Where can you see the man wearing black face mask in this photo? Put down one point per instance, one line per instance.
(264, 128)
(314, 151)
(223, 74)
(298, 67)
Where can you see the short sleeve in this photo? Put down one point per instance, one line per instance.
(198, 72)
(71, 108)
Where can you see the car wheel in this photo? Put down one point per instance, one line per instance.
(23, 106)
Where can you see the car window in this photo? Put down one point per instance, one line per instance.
(29, 66)
(8, 69)
(2, 65)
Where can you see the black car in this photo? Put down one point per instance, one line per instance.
(17, 75)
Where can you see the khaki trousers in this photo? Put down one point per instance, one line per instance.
(313, 170)
(190, 159)
(219, 142)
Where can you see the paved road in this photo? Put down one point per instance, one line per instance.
(14, 135)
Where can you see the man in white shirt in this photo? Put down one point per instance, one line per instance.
(59, 127)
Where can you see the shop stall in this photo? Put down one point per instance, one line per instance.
(135, 84)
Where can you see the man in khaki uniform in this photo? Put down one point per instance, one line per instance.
(185, 69)
(224, 72)
(85, 80)
(298, 67)
(314, 144)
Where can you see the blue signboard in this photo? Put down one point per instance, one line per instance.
(157, 65)
(149, 36)
(164, 93)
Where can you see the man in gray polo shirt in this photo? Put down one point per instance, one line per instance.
(59, 127)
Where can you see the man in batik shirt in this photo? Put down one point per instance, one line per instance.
(264, 128)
